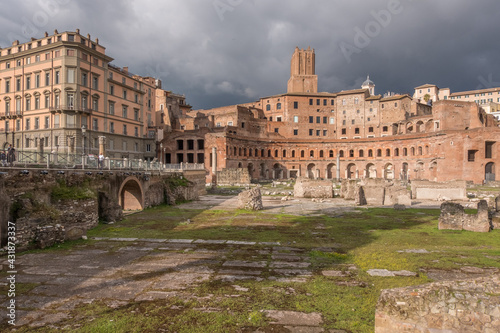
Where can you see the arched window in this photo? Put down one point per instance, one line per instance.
(284, 153)
(269, 153)
(387, 152)
(379, 152)
(331, 153)
(370, 153)
(426, 150)
(276, 153)
(412, 151)
(293, 153)
(302, 153)
(361, 153)
(239, 151)
(405, 151)
(262, 153)
(256, 152)
(341, 153)
(311, 153)
(396, 152)
(250, 152)
(234, 149)
(420, 151)
(244, 152)
(321, 154)
(351, 153)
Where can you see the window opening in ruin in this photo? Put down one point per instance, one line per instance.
(379, 152)
(190, 144)
(331, 153)
(361, 153)
(370, 153)
(180, 144)
(471, 155)
(351, 153)
(488, 149)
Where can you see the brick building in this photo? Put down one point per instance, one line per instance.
(348, 134)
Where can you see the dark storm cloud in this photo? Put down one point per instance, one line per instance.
(221, 52)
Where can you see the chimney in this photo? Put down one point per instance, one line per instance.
(16, 42)
(56, 32)
(97, 40)
(46, 34)
(78, 31)
(125, 70)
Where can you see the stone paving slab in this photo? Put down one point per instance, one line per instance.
(239, 272)
(242, 263)
(286, 264)
(230, 242)
(209, 241)
(294, 318)
(182, 241)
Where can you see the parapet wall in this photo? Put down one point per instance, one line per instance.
(238, 176)
(427, 190)
(452, 306)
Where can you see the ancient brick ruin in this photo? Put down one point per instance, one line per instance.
(351, 134)
(451, 306)
(453, 217)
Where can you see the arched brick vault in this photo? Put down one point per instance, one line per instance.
(131, 194)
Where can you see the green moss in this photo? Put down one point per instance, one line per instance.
(81, 192)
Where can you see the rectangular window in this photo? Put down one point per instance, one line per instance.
(7, 86)
(344, 131)
(325, 132)
(318, 101)
(489, 149)
(47, 122)
(325, 120)
(125, 129)
(311, 119)
(325, 103)
(112, 89)
(124, 111)
(37, 81)
(111, 108)
(356, 131)
(295, 119)
(71, 75)
(47, 101)
(124, 94)
(37, 102)
(318, 132)
(471, 155)
(28, 124)
(310, 101)
(18, 84)
(276, 130)
(295, 132)
(370, 129)
(95, 83)
(84, 79)
(57, 77)
(136, 115)
(310, 132)
(56, 121)
(95, 124)
(111, 127)
(47, 79)
(136, 131)
(318, 120)
(332, 121)
(295, 105)
(28, 82)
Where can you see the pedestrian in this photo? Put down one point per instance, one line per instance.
(100, 160)
(3, 158)
(11, 156)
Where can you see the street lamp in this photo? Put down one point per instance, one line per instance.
(84, 130)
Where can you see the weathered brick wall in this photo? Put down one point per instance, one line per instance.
(233, 176)
(453, 217)
(311, 188)
(452, 306)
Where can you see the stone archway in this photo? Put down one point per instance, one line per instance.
(277, 171)
(331, 171)
(489, 171)
(131, 195)
(311, 168)
(351, 171)
(250, 170)
(371, 171)
(404, 171)
(389, 171)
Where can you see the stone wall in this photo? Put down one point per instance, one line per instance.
(426, 190)
(376, 192)
(311, 188)
(452, 306)
(453, 217)
(4, 211)
(495, 219)
(237, 176)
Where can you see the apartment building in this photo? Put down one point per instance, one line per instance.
(61, 93)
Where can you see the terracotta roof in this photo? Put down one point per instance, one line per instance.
(427, 85)
(470, 92)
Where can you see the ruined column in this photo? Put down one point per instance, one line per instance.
(102, 145)
(214, 166)
(338, 167)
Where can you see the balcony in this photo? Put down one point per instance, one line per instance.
(62, 108)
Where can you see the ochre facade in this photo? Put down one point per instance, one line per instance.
(348, 134)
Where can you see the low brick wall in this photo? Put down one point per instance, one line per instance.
(453, 217)
(427, 190)
(311, 188)
(239, 176)
(452, 306)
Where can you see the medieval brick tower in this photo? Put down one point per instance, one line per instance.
(302, 73)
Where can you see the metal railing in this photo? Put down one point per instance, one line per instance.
(55, 160)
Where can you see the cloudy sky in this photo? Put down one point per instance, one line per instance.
(222, 52)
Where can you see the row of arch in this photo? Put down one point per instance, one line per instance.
(349, 153)
(350, 171)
